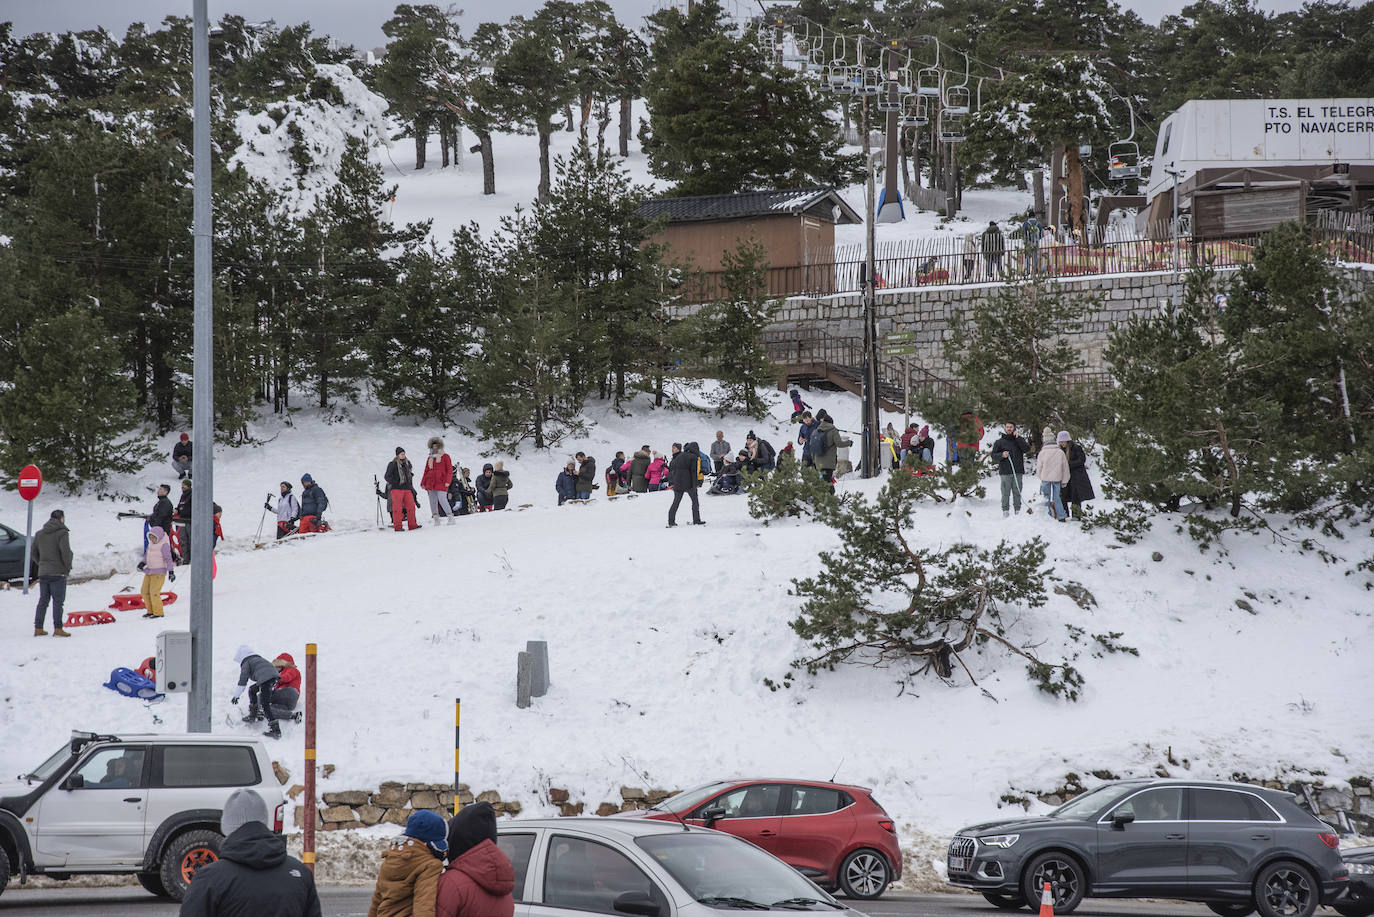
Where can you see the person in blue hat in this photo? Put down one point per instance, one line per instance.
(408, 880)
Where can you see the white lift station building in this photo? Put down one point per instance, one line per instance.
(1242, 166)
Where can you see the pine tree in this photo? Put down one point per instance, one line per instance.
(422, 47)
(791, 490)
(70, 406)
(1013, 354)
(422, 342)
(723, 118)
(729, 333)
(882, 599)
(537, 85)
(522, 379)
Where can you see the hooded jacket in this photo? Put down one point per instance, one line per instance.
(253, 877)
(313, 500)
(658, 468)
(407, 882)
(290, 676)
(254, 668)
(566, 485)
(500, 483)
(480, 879)
(1052, 464)
(639, 472)
(826, 450)
(157, 559)
(586, 475)
(52, 549)
(682, 470)
(482, 485)
(438, 473)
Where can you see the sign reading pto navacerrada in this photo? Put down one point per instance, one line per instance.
(1341, 118)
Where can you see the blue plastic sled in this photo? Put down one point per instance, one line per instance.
(131, 684)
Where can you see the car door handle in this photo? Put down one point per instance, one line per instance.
(133, 798)
(766, 833)
(1259, 837)
(1175, 837)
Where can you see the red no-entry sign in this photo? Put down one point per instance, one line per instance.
(30, 482)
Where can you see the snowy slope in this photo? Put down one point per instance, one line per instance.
(660, 641)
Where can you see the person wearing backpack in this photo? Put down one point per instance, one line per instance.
(827, 448)
(313, 504)
(288, 510)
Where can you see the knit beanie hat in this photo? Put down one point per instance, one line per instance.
(307, 479)
(925, 431)
(469, 827)
(185, 437)
(242, 807)
(487, 467)
(1063, 437)
(400, 449)
(428, 827)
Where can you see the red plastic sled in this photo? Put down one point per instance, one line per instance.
(133, 602)
(83, 618)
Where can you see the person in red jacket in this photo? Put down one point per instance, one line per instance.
(287, 693)
(480, 879)
(436, 478)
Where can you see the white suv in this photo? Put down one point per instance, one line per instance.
(145, 805)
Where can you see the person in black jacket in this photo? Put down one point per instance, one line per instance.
(253, 876)
(1010, 452)
(181, 457)
(483, 488)
(313, 504)
(161, 516)
(762, 455)
(1080, 489)
(682, 474)
(586, 475)
(400, 483)
(182, 517)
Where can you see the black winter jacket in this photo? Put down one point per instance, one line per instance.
(181, 450)
(313, 501)
(183, 514)
(257, 670)
(682, 470)
(1017, 449)
(252, 878)
(161, 516)
(586, 475)
(52, 549)
(400, 476)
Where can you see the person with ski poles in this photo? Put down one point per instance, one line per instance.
(1010, 451)
(288, 510)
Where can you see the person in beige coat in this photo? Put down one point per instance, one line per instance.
(408, 882)
(1052, 467)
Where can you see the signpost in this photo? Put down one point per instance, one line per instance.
(30, 485)
(902, 344)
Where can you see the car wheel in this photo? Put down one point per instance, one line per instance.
(864, 874)
(183, 856)
(1285, 889)
(152, 882)
(1065, 877)
(1345, 909)
(1231, 909)
(1005, 902)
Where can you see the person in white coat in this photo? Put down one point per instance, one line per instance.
(1052, 467)
(288, 511)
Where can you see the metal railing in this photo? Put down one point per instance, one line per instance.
(971, 259)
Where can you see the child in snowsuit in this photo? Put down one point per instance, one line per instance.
(283, 700)
(798, 406)
(263, 674)
(408, 881)
(156, 565)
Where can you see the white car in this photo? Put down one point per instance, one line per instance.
(650, 869)
(142, 805)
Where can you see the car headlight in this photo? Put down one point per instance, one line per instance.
(999, 840)
(1359, 869)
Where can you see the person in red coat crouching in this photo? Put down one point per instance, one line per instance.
(479, 879)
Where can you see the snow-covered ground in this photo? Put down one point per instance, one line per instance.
(660, 639)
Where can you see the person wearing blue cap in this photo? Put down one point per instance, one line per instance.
(408, 880)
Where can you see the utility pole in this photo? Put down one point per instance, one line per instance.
(202, 401)
(869, 464)
(891, 209)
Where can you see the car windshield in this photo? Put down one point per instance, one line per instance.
(688, 800)
(50, 766)
(1091, 802)
(724, 871)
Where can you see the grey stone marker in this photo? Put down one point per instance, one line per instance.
(523, 671)
(539, 655)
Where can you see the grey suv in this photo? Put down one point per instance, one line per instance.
(1238, 848)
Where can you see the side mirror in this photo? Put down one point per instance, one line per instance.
(1122, 819)
(713, 815)
(641, 904)
(74, 782)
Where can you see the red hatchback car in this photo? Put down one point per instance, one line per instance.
(834, 834)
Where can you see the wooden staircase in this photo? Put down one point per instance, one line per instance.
(809, 355)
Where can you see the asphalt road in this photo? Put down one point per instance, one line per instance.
(353, 902)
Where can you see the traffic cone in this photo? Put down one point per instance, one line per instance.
(1046, 902)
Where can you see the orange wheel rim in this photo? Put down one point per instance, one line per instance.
(194, 859)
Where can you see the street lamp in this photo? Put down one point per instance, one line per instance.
(1174, 174)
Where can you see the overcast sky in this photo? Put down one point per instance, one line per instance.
(358, 22)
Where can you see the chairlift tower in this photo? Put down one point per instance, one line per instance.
(890, 209)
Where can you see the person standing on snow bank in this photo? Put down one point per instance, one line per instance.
(1010, 452)
(500, 486)
(288, 510)
(313, 504)
(480, 879)
(682, 474)
(826, 450)
(52, 553)
(437, 476)
(408, 882)
(157, 566)
(181, 457)
(720, 451)
(253, 875)
(1052, 467)
(400, 483)
(1080, 489)
(182, 518)
(566, 485)
(264, 677)
(586, 475)
(639, 470)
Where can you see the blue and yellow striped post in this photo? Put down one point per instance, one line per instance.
(458, 722)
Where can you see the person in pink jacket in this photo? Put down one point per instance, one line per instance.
(658, 470)
(436, 478)
(156, 566)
